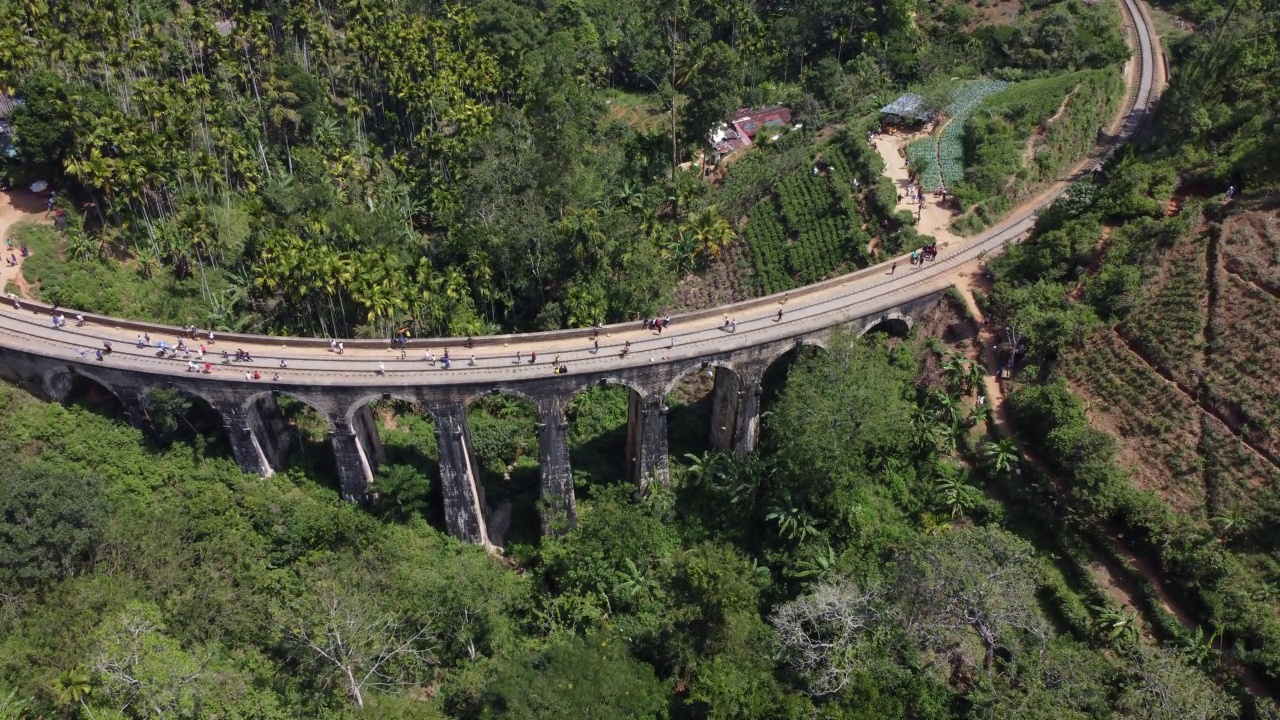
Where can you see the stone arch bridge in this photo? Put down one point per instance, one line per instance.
(49, 359)
(252, 420)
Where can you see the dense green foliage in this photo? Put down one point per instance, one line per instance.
(343, 168)
(1028, 133)
(1140, 322)
(188, 589)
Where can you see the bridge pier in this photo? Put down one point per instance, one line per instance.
(464, 506)
(558, 507)
(735, 410)
(242, 426)
(357, 451)
(647, 440)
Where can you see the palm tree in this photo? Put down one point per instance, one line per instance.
(71, 687)
(792, 522)
(820, 561)
(1001, 455)
(712, 232)
(955, 369)
(1197, 647)
(974, 373)
(635, 584)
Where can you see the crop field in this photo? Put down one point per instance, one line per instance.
(1251, 248)
(768, 241)
(1192, 445)
(1168, 326)
(951, 143)
(814, 228)
(1243, 367)
(922, 155)
(1156, 423)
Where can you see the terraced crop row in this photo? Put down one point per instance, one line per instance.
(1156, 420)
(950, 144)
(818, 252)
(1168, 327)
(805, 201)
(1243, 366)
(768, 241)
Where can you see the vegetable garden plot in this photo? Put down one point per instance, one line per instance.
(768, 241)
(951, 142)
(922, 155)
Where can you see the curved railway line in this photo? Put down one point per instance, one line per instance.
(825, 304)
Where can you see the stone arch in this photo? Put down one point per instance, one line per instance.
(584, 384)
(83, 388)
(360, 402)
(505, 444)
(693, 367)
(507, 390)
(56, 383)
(204, 418)
(774, 373)
(597, 416)
(893, 322)
(778, 353)
(249, 402)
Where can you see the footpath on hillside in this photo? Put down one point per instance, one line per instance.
(935, 219)
(17, 206)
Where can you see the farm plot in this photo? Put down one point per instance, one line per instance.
(768, 241)
(1158, 424)
(1241, 377)
(1251, 247)
(951, 142)
(923, 156)
(1168, 326)
(1238, 482)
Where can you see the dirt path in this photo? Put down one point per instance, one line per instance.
(17, 206)
(935, 219)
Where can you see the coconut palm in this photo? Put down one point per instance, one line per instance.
(71, 687)
(712, 233)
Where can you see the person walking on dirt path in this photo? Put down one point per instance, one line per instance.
(779, 318)
(519, 359)
(341, 348)
(382, 368)
(893, 267)
(595, 346)
(533, 357)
